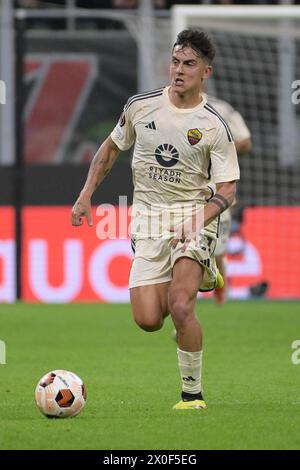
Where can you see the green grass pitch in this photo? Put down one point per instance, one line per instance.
(250, 384)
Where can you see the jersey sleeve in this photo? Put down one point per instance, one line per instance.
(224, 162)
(238, 126)
(123, 134)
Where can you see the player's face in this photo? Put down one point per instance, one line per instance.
(187, 70)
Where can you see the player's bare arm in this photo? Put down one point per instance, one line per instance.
(190, 229)
(223, 199)
(243, 146)
(100, 167)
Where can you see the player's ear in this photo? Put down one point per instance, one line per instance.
(207, 71)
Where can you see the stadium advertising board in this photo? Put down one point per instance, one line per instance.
(7, 255)
(62, 263)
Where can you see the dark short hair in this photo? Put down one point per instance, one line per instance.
(198, 41)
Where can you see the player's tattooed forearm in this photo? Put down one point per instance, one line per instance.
(99, 163)
(223, 199)
(220, 201)
(106, 171)
(100, 167)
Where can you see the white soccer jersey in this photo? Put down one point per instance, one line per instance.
(233, 118)
(177, 151)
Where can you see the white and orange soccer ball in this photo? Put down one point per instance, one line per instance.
(60, 394)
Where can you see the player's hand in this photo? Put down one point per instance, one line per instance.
(185, 232)
(81, 209)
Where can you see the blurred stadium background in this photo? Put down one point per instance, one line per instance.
(69, 67)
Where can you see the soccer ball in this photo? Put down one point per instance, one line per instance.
(60, 394)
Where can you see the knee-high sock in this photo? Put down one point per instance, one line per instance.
(190, 367)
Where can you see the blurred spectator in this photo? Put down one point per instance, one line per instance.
(28, 4)
(170, 3)
(122, 4)
(245, 2)
(160, 4)
(223, 2)
(125, 3)
(98, 23)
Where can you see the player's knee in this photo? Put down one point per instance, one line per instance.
(149, 325)
(180, 310)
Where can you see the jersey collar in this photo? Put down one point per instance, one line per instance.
(182, 110)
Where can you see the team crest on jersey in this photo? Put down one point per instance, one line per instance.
(122, 120)
(194, 136)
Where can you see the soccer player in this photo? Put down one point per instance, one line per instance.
(181, 143)
(243, 145)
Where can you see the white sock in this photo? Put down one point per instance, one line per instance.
(190, 367)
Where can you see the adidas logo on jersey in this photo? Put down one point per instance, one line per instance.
(151, 125)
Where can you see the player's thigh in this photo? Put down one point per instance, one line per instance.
(150, 303)
(149, 280)
(187, 277)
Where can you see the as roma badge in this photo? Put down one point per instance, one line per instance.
(194, 136)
